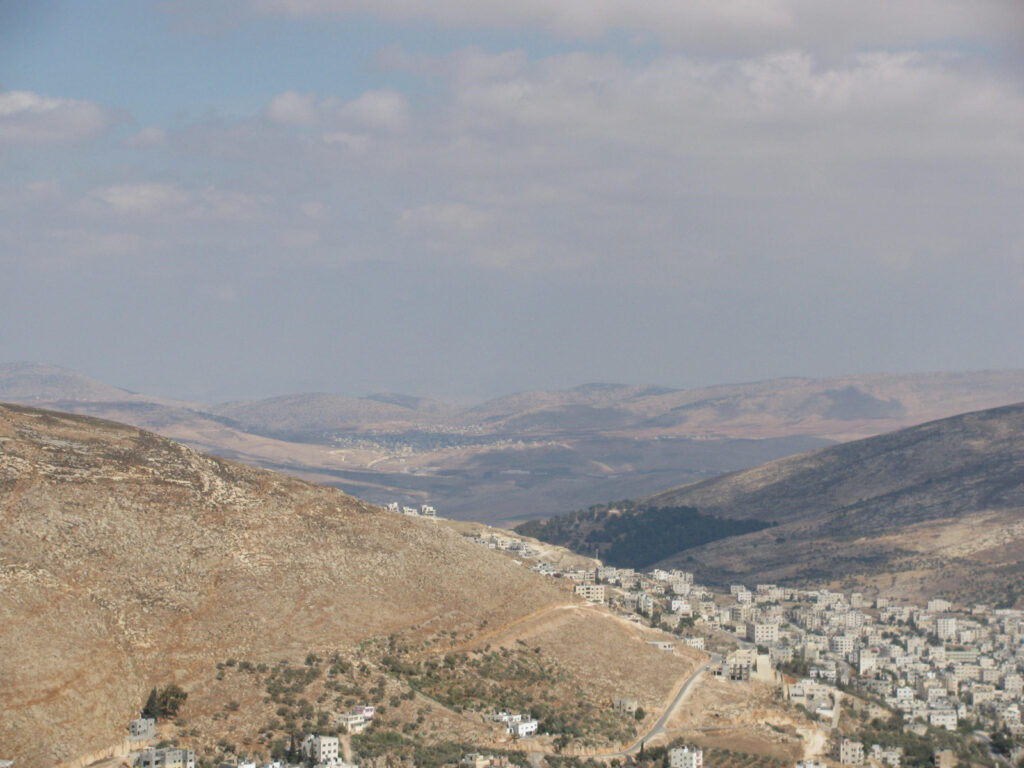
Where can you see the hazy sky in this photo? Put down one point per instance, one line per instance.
(218, 199)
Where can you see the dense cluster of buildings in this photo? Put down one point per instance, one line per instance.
(938, 664)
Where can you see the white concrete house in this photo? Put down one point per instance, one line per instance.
(684, 757)
(323, 749)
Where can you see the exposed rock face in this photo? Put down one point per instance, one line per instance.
(129, 561)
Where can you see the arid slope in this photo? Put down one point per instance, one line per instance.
(129, 561)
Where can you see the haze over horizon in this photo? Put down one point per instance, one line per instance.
(240, 199)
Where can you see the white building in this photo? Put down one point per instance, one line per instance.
(170, 757)
(592, 593)
(762, 633)
(523, 728)
(625, 706)
(323, 749)
(684, 757)
(842, 644)
(850, 752)
(351, 722)
(945, 627)
(644, 604)
(142, 729)
(681, 605)
(943, 718)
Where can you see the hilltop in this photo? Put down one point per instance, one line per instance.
(39, 382)
(135, 562)
(935, 507)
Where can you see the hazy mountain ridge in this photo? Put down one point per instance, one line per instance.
(533, 454)
(37, 381)
(964, 463)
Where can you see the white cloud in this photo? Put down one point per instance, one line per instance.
(703, 25)
(29, 118)
(385, 110)
(292, 108)
(148, 138)
(313, 209)
(344, 122)
(455, 218)
(225, 293)
(354, 142)
(143, 198)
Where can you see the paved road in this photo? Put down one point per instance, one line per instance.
(670, 710)
(659, 726)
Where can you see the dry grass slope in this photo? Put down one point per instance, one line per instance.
(128, 560)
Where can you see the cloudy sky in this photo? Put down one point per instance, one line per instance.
(219, 199)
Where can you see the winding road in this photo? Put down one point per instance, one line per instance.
(658, 728)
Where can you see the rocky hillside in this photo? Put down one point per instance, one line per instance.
(937, 505)
(128, 562)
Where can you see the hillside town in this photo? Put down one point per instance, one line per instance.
(934, 668)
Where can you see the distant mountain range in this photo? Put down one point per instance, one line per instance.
(936, 508)
(532, 454)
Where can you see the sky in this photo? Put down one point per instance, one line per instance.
(226, 199)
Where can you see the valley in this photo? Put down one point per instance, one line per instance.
(286, 615)
(529, 455)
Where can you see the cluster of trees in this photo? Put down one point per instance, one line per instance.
(164, 703)
(637, 535)
(918, 750)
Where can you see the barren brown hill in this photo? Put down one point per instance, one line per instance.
(129, 561)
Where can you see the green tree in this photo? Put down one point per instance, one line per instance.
(152, 707)
(170, 700)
